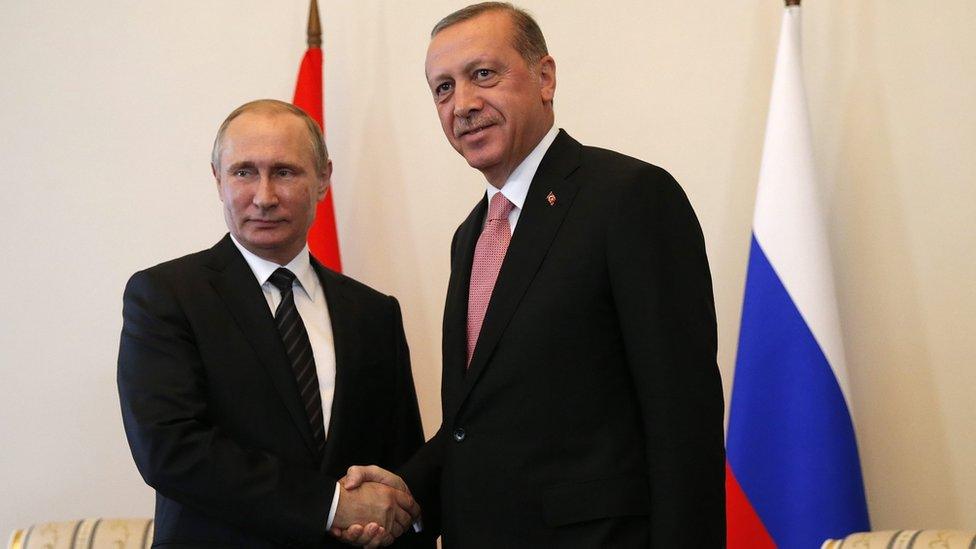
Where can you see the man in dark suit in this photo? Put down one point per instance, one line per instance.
(582, 405)
(251, 377)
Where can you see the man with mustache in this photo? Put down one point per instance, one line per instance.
(581, 400)
(251, 377)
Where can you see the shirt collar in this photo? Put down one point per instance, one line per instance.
(516, 187)
(300, 265)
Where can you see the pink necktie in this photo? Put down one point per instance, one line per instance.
(488, 256)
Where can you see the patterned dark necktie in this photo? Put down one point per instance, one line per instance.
(299, 349)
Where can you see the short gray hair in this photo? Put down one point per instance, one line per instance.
(527, 39)
(272, 106)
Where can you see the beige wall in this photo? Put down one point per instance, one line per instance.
(107, 111)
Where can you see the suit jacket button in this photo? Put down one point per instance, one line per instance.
(459, 435)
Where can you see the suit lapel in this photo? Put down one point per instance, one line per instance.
(456, 311)
(537, 226)
(237, 287)
(342, 316)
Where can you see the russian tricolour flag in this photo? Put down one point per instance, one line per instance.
(794, 478)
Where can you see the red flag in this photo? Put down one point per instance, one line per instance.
(323, 240)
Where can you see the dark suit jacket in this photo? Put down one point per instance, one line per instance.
(591, 415)
(212, 411)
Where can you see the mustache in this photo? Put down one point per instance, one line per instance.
(466, 125)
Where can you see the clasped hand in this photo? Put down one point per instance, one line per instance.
(375, 507)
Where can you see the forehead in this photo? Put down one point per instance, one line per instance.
(487, 35)
(278, 133)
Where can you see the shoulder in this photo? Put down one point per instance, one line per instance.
(156, 296)
(360, 293)
(609, 171)
(184, 276)
(623, 169)
(179, 265)
(633, 193)
(173, 271)
(623, 179)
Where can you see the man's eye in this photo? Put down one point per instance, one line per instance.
(283, 172)
(241, 173)
(442, 88)
(482, 74)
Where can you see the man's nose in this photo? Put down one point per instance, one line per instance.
(467, 99)
(265, 196)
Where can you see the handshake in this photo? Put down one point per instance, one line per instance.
(375, 507)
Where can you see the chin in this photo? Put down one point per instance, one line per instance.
(265, 242)
(480, 160)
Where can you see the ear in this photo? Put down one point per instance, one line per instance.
(216, 174)
(547, 78)
(324, 181)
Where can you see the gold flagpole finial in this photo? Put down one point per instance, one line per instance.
(314, 26)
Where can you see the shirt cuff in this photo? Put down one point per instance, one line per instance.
(332, 510)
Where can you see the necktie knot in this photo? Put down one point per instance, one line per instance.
(282, 279)
(499, 207)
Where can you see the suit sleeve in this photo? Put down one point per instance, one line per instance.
(407, 433)
(422, 472)
(423, 476)
(662, 290)
(180, 452)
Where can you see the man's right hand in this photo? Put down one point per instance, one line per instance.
(355, 527)
(387, 512)
(358, 474)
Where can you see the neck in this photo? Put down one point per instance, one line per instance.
(280, 257)
(495, 180)
(498, 176)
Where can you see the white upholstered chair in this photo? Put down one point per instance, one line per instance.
(905, 539)
(84, 534)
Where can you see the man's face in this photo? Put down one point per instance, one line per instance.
(268, 183)
(494, 108)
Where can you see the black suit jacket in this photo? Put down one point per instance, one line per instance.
(591, 414)
(212, 411)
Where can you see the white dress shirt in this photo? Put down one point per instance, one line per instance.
(310, 302)
(516, 187)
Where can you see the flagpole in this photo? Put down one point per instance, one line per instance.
(315, 26)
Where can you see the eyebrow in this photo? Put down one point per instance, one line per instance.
(478, 62)
(293, 167)
(240, 165)
(468, 67)
(274, 166)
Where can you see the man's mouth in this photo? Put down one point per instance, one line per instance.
(474, 131)
(265, 222)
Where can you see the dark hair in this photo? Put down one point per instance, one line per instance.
(527, 39)
(273, 106)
